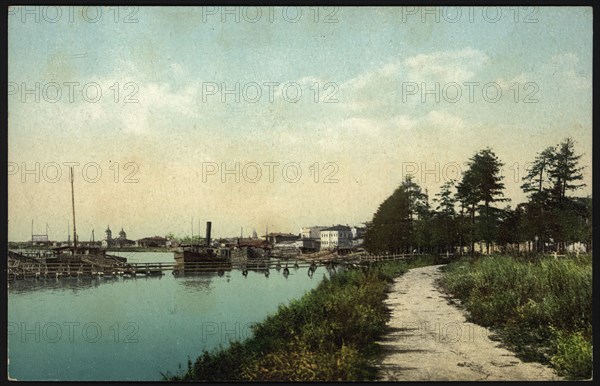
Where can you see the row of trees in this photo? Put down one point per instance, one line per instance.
(467, 211)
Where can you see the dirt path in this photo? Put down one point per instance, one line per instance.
(432, 341)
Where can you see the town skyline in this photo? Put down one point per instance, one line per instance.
(101, 236)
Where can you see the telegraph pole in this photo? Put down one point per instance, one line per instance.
(73, 204)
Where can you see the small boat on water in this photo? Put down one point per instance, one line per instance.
(201, 253)
(202, 258)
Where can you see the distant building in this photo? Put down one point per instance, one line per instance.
(310, 239)
(106, 243)
(306, 245)
(120, 242)
(252, 242)
(480, 247)
(152, 242)
(311, 232)
(286, 249)
(576, 247)
(274, 238)
(335, 237)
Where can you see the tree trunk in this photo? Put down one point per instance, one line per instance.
(472, 229)
(487, 228)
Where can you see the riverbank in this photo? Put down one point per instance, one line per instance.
(329, 334)
(541, 308)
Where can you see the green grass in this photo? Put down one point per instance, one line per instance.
(327, 335)
(541, 307)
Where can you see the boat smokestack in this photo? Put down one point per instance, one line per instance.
(208, 225)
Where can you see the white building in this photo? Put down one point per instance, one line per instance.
(335, 237)
(311, 232)
(576, 247)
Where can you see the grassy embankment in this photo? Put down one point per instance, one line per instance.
(540, 307)
(327, 335)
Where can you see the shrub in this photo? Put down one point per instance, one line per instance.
(523, 298)
(573, 356)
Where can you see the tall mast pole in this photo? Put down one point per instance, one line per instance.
(73, 205)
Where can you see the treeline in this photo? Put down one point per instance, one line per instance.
(468, 211)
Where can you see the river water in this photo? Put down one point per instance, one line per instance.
(135, 328)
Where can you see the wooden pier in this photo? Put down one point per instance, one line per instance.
(22, 267)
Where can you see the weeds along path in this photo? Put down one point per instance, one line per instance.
(430, 339)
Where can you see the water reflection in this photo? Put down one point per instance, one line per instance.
(195, 281)
(199, 282)
(55, 285)
(74, 284)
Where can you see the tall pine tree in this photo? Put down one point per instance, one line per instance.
(482, 183)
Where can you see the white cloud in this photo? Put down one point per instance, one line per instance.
(520, 79)
(382, 86)
(443, 120)
(155, 96)
(446, 66)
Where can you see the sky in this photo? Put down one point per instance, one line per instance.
(318, 113)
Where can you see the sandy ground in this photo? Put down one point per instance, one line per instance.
(430, 339)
